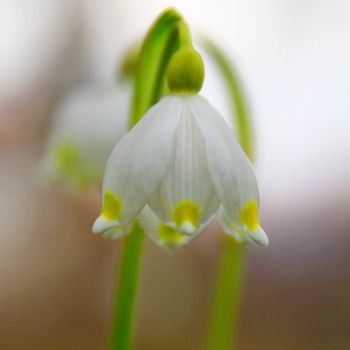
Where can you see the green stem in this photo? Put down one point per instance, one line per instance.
(184, 34)
(223, 326)
(225, 315)
(126, 290)
(160, 43)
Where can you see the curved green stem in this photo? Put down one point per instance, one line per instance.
(223, 327)
(161, 42)
(184, 34)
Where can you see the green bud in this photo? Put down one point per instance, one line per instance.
(186, 71)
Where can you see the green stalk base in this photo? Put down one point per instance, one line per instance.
(225, 315)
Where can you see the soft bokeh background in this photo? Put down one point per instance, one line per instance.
(57, 280)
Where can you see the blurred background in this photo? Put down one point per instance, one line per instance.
(57, 279)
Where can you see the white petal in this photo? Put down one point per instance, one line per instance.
(109, 228)
(164, 235)
(140, 159)
(230, 169)
(187, 182)
(259, 236)
(229, 228)
(242, 235)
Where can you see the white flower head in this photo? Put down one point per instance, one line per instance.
(85, 128)
(174, 171)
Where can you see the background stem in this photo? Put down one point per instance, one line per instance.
(224, 322)
(239, 104)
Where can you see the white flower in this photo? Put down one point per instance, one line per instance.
(85, 129)
(174, 171)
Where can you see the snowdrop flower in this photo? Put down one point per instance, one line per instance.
(179, 167)
(85, 128)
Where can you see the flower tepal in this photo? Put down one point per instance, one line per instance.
(179, 167)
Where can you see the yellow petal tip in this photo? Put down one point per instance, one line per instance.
(249, 215)
(186, 215)
(112, 206)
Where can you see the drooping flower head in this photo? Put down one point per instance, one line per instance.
(86, 126)
(179, 167)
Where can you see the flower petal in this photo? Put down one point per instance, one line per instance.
(165, 236)
(242, 235)
(139, 160)
(230, 169)
(229, 228)
(186, 195)
(109, 228)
